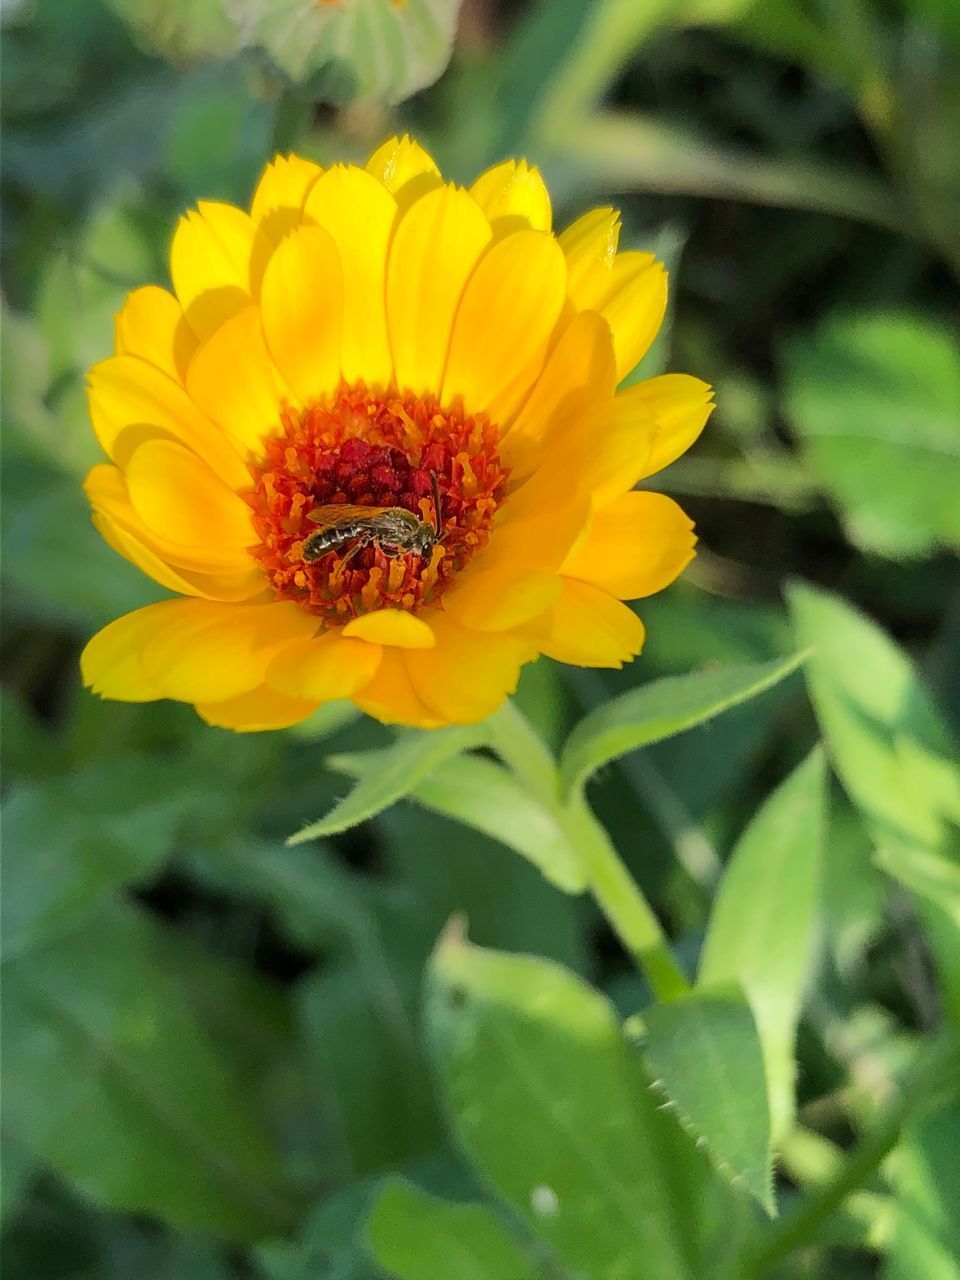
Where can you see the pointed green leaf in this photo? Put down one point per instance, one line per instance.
(482, 794)
(661, 709)
(380, 50)
(884, 734)
(110, 1082)
(704, 1054)
(399, 769)
(875, 399)
(73, 839)
(417, 1236)
(762, 923)
(536, 1078)
(17, 1169)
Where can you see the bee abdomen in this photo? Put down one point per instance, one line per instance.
(324, 540)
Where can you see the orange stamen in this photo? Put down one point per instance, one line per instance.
(375, 450)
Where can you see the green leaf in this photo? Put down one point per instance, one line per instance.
(110, 1082)
(704, 1053)
(326, 721)
(928, 874)
(379, 50)
(926, 1237)
(74, 839)
(359, 1027)
(399, 769)
(83, 287)
(855, 893)
(330, 1246)
(417, 1236)
(538, 1084)
(482, 794)
(659, 710)
(25, 380)
(875, 399)
(54, 557)
(762, 923)
(891, 748)
(17, 1168)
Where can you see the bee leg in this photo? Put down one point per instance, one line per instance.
(354, 550)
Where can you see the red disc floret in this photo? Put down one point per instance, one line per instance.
(374, 450)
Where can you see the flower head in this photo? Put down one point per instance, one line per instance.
(372, 441)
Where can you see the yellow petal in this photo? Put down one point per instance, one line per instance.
(277, 203)
(393, 627)
(634, 305)
(501, 599)
(253, 712)
(301, 305)
(391, 698)
(232, 586)
(234, 381)
(636, 545)
(208, 652)
(210, 264)
(540, 521)
(231, 567)
(623, 434)
(405, 169)
(580, 373)
(277, 208)
(282, 189)
(179, 497)
(590, 247)
(111, 661)
(325, 668)
(468, 675)
(131, 401)
(509, 310)
(589, 628)
(513, 196)
(434, 251)
(680, 406)
(358, 211)
(152, 325)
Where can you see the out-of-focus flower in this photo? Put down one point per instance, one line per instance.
(281, 424)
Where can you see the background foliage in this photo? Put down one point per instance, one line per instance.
(222, 1056)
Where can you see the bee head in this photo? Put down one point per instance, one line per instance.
(425, 540)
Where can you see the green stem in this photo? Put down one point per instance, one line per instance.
(933, 1076)
(623, 152)
(803, 1226)
(519, 745)
(609, 37)
(622, 901)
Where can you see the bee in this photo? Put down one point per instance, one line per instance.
(392, 530)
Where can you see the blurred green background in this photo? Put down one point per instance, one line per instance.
(213, 1046)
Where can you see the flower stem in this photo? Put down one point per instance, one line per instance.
(622, 901)
(933, 1077)
(519, 745)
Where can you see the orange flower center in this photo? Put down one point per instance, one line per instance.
(381, 452)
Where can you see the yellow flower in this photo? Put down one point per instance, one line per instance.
(370, 338)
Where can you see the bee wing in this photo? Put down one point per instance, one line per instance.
(328, 517)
